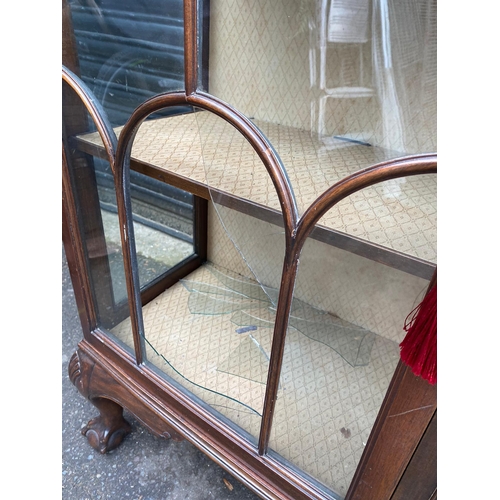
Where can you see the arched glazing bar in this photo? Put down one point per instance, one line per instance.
(392, 169)
(402, 167)
(122, 179)
(110, 142)
(119, 153)
(96, 112)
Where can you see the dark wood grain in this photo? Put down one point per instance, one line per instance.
(402, 419)
(277, 349)
(407, 409)
(190, 46)
(164, 406)
(419, 481)
(73, 247)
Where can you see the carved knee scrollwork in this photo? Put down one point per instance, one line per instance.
(110, 395)
(105, 432)
(80, 370)
(74, 368)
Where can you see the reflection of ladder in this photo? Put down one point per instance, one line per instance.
(346, 22)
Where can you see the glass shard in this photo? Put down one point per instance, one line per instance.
(252, 307)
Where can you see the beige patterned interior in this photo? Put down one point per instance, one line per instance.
(273, 62)
(357, 289)
(325, 407)
(399, 214)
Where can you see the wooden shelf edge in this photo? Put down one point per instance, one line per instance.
(363, 248)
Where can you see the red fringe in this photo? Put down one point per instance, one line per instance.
(419, 347)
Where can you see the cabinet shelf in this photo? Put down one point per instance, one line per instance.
(393, 223)
(226, 366)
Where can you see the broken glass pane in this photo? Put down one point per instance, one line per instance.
(252, 308)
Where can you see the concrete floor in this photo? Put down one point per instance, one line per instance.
(144, 467)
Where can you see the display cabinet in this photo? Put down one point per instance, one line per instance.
(249, 215)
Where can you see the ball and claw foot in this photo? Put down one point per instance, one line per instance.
(106, 432)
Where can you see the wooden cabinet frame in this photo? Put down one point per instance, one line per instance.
(113, 378)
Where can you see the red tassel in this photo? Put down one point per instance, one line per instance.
(419, 347)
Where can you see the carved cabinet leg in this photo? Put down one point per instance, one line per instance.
(105, 432)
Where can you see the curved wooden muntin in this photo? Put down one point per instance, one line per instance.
(96, 112)
(297, 228)
(401, 167)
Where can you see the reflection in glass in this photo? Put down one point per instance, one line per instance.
(360, 73)
(129, 51)
(126, 53)
(103, 257)
(163, 226)
(163, 215)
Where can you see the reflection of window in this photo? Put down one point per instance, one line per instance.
(129, 51)
(382, 53)
(348, 21)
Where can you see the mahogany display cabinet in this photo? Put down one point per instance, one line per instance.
(249, 216)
